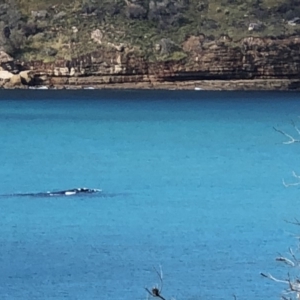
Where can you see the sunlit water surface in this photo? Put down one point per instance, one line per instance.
(192, 181)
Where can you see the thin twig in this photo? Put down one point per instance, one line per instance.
(296, 128)
(285, 260)
(293, 255)
(160, 276)
(294, 183)
(273, 278)
(297, 222)
(292, 139)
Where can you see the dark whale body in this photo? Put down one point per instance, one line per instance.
(82, 192)
(71, 192)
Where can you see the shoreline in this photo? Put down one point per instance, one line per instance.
(200, 85)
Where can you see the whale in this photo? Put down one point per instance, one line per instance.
(76, 192)
(72, 192)
(62, 193)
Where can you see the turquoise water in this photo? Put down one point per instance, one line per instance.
(196, 179)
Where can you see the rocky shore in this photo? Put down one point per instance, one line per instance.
(250, 64)
(208, 85)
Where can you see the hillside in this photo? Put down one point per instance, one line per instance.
(150, 43)
(157, 29)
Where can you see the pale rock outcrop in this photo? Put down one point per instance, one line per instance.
(72, 72)
(7, 63)
(39, 14)
(120, 47)
(59, 15)
(5, 75)
(192, 44)
(97, 36)
(26, 77)
(15, 80)
(4, 57)
(61, 72)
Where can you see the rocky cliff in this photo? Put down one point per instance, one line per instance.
(150, 44)
(267, 63)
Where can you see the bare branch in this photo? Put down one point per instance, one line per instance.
(296, 128)
(286, 261)
(294, 183)
(294, 286)
(156, 290)
(273, 278)
(149, 292)
(160, 276)
(290, 184)
(297, 222)
(293, 255)
(291, 139)
(295, 175)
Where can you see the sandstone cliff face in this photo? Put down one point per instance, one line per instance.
(251, 58)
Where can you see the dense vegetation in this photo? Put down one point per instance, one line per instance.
(47, 30)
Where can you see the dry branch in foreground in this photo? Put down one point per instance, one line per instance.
(291, 140)
(156, 290)
(292, 290)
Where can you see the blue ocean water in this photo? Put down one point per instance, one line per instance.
(197, 185)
